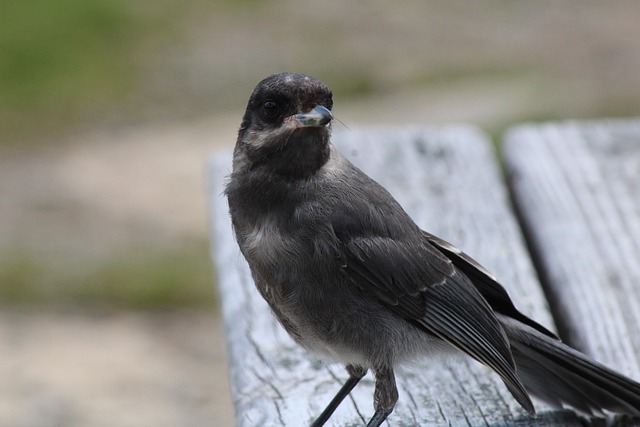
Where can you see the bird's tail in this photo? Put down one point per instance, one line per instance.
(558, 374)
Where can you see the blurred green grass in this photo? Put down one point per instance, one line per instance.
(141, 279)
(70, 60)
(63, 64)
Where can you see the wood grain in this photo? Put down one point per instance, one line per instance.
(448, 180)
(577, 188)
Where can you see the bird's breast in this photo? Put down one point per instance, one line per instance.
(266, 242)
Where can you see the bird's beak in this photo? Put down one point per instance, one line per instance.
(317, 117)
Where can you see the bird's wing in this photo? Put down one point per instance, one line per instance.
(485, 282)
(419, 283)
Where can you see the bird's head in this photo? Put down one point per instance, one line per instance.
(287, 124)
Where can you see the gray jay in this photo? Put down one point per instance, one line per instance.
(350, 276)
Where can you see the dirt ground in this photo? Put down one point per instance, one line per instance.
(118, 370)
(125, 369)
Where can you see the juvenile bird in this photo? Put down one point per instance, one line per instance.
(350, 276)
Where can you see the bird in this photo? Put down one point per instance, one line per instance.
(351, 277)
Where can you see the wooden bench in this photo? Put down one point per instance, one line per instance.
(576, 188)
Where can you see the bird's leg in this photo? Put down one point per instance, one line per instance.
(355, 375)
(384, 397)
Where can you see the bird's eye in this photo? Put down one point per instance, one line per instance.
(270, 108)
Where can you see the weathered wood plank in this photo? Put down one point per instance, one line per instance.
(577, 188)
(447, 179)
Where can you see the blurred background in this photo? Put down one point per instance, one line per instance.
(109, 110)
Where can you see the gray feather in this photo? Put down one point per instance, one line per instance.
(558, 374)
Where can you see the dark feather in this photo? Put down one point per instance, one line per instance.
(421, 285)
(558, 374)
(485, 282)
